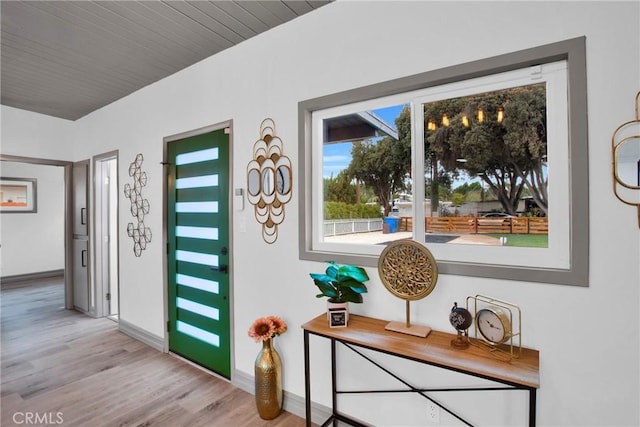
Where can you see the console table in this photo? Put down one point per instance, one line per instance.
(436, 350)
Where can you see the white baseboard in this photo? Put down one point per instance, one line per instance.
(140, 334)
(243, 381)
(292, 402)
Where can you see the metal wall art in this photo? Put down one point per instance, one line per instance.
(269, 180)
(140, 234)
(625, 145)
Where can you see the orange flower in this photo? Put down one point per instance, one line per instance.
(265, 328)
(279, 324)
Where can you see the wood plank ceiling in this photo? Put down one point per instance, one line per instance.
(69, 58)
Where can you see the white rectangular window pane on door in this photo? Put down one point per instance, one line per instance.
(198, 283)
(209, 233)
(197, 156)
(197, 182)
(201, 309)
(197, 207)
(197, 258)
(198, 333)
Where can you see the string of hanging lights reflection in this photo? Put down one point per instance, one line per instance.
(480, 116)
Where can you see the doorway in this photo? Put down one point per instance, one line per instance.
(198, 247)
(68, 182)
(105, 298)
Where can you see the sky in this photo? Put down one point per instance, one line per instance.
(337, 157)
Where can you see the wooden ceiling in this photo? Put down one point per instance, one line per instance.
(69, 58)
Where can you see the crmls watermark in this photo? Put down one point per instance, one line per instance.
(37, 418)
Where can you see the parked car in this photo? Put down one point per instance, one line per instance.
(495, 219)
(497, 215)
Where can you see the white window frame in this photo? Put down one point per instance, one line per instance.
(565, 261)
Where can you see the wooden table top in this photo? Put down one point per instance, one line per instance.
(435, 349)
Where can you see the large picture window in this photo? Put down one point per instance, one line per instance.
(475, 165)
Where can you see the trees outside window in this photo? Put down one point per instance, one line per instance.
(499, 137)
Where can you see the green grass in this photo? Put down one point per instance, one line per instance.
(525, 240)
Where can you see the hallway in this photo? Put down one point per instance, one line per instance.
(62, 367)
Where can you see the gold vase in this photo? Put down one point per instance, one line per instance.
(268, 377)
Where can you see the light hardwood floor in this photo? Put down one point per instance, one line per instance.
(77, 371)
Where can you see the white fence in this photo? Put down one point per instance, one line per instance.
(350, 226)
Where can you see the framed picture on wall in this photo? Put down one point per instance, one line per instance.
(18, 195)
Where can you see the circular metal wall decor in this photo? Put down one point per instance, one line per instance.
(408, 270)
(269, 180)
(625, 144)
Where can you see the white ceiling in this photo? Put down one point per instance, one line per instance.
(69, 58)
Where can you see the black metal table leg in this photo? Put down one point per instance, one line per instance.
(307, 380)
(532, 407)
(334, 387)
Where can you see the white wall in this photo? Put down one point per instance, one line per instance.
(35, 135)
(588, 337)
(34, 242)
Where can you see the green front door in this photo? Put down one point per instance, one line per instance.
(198, 254)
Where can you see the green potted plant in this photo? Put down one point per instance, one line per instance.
(341, 284)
